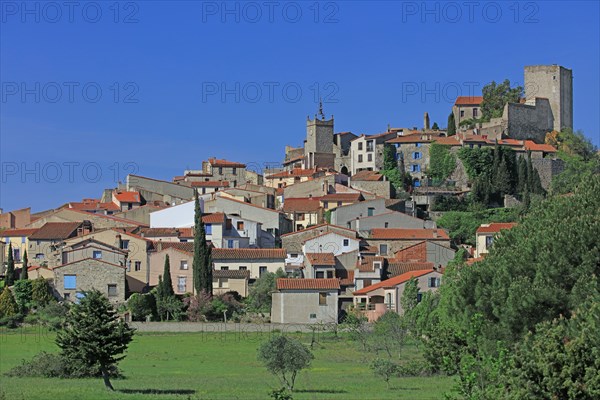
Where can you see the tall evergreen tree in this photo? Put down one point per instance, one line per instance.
(502, 181)
(451, 130)
(202, 264)
(10, 267)
(521, 175)
(167, 282)
(435, 127)
(24, 267)
(8, 305)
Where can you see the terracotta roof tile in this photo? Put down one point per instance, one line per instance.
(321, 258)
(186, 247)
(311, 204)
(449, 141)
(495, 227)
(18, 232)
(214, 218)
(128, 197)
(395, 268)
(468, 100)
(231, 274)
(367, 263)
(224, 163)
(307, 284)
(248, 254)
(367, 176)
(419, 137)
(532, 146)
(55, 230)
(346, 277)
(397, 280)
(409, 234)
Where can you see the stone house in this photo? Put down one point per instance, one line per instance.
(294, 241)
(98, 221)
(390, 219)
(127, 200)
(371, 181)
(71, 280)
(45, 245)
(168, 234)
(91, 248)
(256, 261)
(367, 151)
(283, 179)
(18, 239)
(16, 219)
(485, 235)
(412, 153)
(303, 212)
(157, 190)
(305, 301)
(231, 281)
(259, 198)
(204, 187)
(465, 108)
(377, 299)
(389, 241)
(333, 200)
(333, 242)
(368, 270)
(224, 170)
(180, 260)
(37, 271)
(319, 265)
(344, 215)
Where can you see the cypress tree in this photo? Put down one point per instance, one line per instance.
(526, 197)
(521, 175)
(8, 304)
(167, 283)
(502, 182)
(196, 263)
(10, 268)
(24, 267)
(451, 130)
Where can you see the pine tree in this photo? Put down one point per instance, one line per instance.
(8, 304)
(435, 126)
(10, 268)
(451, 130)
(41, 292)
(95, 335)
(24, 267)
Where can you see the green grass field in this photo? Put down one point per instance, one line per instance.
(212, 366)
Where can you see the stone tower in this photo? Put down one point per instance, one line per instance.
(555, 83)
(426, 121)
(318, 149)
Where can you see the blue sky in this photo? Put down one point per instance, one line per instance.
(94, 92)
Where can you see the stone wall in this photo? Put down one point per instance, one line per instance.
(91, 274)
(547, 169)
(379, 188)
(529, 121)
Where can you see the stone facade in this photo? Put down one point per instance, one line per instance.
(90, 274)
(554, 83)
(547, 168)
(318, 148)
(302, 307)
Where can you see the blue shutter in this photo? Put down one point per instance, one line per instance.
(70, 282)
(208, 229)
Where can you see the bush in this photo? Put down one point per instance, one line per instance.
(23, 294)
(284, 357)
(385, 369)
(41, 293)
(50, 365)
(52, 316)
(142, 306)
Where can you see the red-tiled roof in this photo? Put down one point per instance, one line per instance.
(210, 184)
(224, 163)
(186, 247)
(321, 258)
(127, 197)
(18, 232)
(163, 232)
(93, 205)
(367, 176)
(214, 218)
(311, 204)
(231, 274)
(471, 261)
(248, 254)
(55, 230)
(495, 227)
(448, 141)
(346, 277)
(366, 264)
(477, 138)
(532, 146)
(343, 197)
(295, 172)
(396, 268)
(416, 252)
(307, 284)
(397, 280)
(468, 100)
(409, 234)
(419, 137)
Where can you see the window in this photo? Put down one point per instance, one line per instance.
(360, 158)
(360, 145)
(475, 112)
(326, 204)
(220, 170)
(261, 270)
(17, 255)
(367, 282)
(181, 283)
(23, 239)
(370, 211)
(323, 298)
(208, 229)
(330, 274)
(419, 297)
(183, 264)
(370, 145)
(234, 171)
(417, 155)
(369, 157)
(320, 275)
(240, 225)
(386, 224)
(70, 282)
(228, 224)
(346, 242)
(294, 255)
(97, 254)
(231, 244)
(124, 244)
(224, 268)
(415, 168)
(112, 290)
(434, 282)
(39, 256)
(129, 266)
(243, 268)
(383, 249)
(462, 113)
(300, 217)
(313, 316)
(137, 266)
(417, 144)
(223, 282)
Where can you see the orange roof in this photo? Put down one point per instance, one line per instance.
(93, 205)
(367, 176)
(367, 263)
(296, 172)
(307, 284)
(343, 197)
(448, 141)
(346, 277)
(471, 261)
(532, 146)
(468, 100)
(127, 197)
(396, 268)
(510, 142)
(248, 254)
(495, 227)
(418, 137)
(408, 234)
(215, 218)
(55, 230)
(185, 247)
(321, 258)
(210, 184)
(18, 232)
(224, 163)
(395, 281)
(310, 204)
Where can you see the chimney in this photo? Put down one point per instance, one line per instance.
(159, 247)
(118, 241)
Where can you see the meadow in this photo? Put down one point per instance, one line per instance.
(213, 366)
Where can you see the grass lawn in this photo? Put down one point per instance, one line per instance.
(212, 366)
